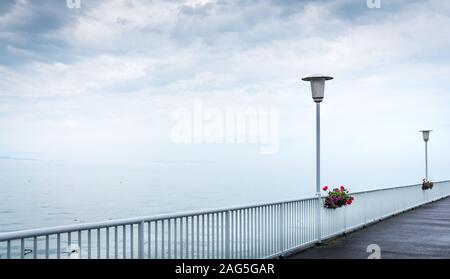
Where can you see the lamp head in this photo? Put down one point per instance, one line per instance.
(317, 86)
(426, 134)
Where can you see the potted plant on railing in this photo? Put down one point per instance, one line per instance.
(339, 197)
(427, 185)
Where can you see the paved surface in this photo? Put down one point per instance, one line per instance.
(420, 233)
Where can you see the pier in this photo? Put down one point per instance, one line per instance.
(404, 222)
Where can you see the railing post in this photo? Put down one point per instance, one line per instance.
(141, 240)
(227, 234)
(281, 227)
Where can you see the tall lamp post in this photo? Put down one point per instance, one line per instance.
(426, 137)
(318, 90)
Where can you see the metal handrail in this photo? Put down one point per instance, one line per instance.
(266, 212)
(4, 236)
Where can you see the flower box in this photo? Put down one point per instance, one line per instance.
(427, 185)
(337, 198)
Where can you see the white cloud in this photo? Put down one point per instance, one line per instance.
(127, 64)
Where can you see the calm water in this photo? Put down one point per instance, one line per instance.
(37, 194)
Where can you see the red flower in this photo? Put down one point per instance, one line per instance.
(342, 188)
(336, 190)
(325, 188)
(349, 202)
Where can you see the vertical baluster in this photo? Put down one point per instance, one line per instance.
(124, 241)
(238, 234)
(296, 225)
(266, 231)
(141, 240)
(187, 237)
(107, 242)
(235, 235)
(293, 226)
(306, 224)
(163, 234)
(219, 251)
(208, 236)
(263, 236)
(131, 241)
(8, 249)
(222, 234)
(247, 224)
(192, 237)
(149, 237)
(255, 238)
(116, 243)
(279, 227)
(241, 235)
(80, 256)
(203, 237)
(312, 212)
(265, 226)
(287, 214)
(250, 232)
(289, 225)
(269, 236)
(227, 234)
(35, 247)
(256, 232)
(232, 234)
(274, 227)
(175, 237)
(197, 218)
(217, 235)
(307, 218)
(58, 246)
(98, 244)
(261, 218)
(305, 221)
(156, 239)
(22, 248)
(301, 220)
(47, 247)
(213, 243)
(181, 237)
(89, 244)
(169, 238)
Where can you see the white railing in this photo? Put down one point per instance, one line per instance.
(259, 231)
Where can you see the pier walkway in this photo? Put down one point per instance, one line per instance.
(422, 233)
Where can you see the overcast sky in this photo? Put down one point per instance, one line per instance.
(98, 84)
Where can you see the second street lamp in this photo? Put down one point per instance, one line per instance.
(426, 137)
(318, 92)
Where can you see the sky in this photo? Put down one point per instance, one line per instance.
(98, 85)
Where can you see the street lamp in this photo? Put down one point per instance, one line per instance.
(318, 90)
(426, 137)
